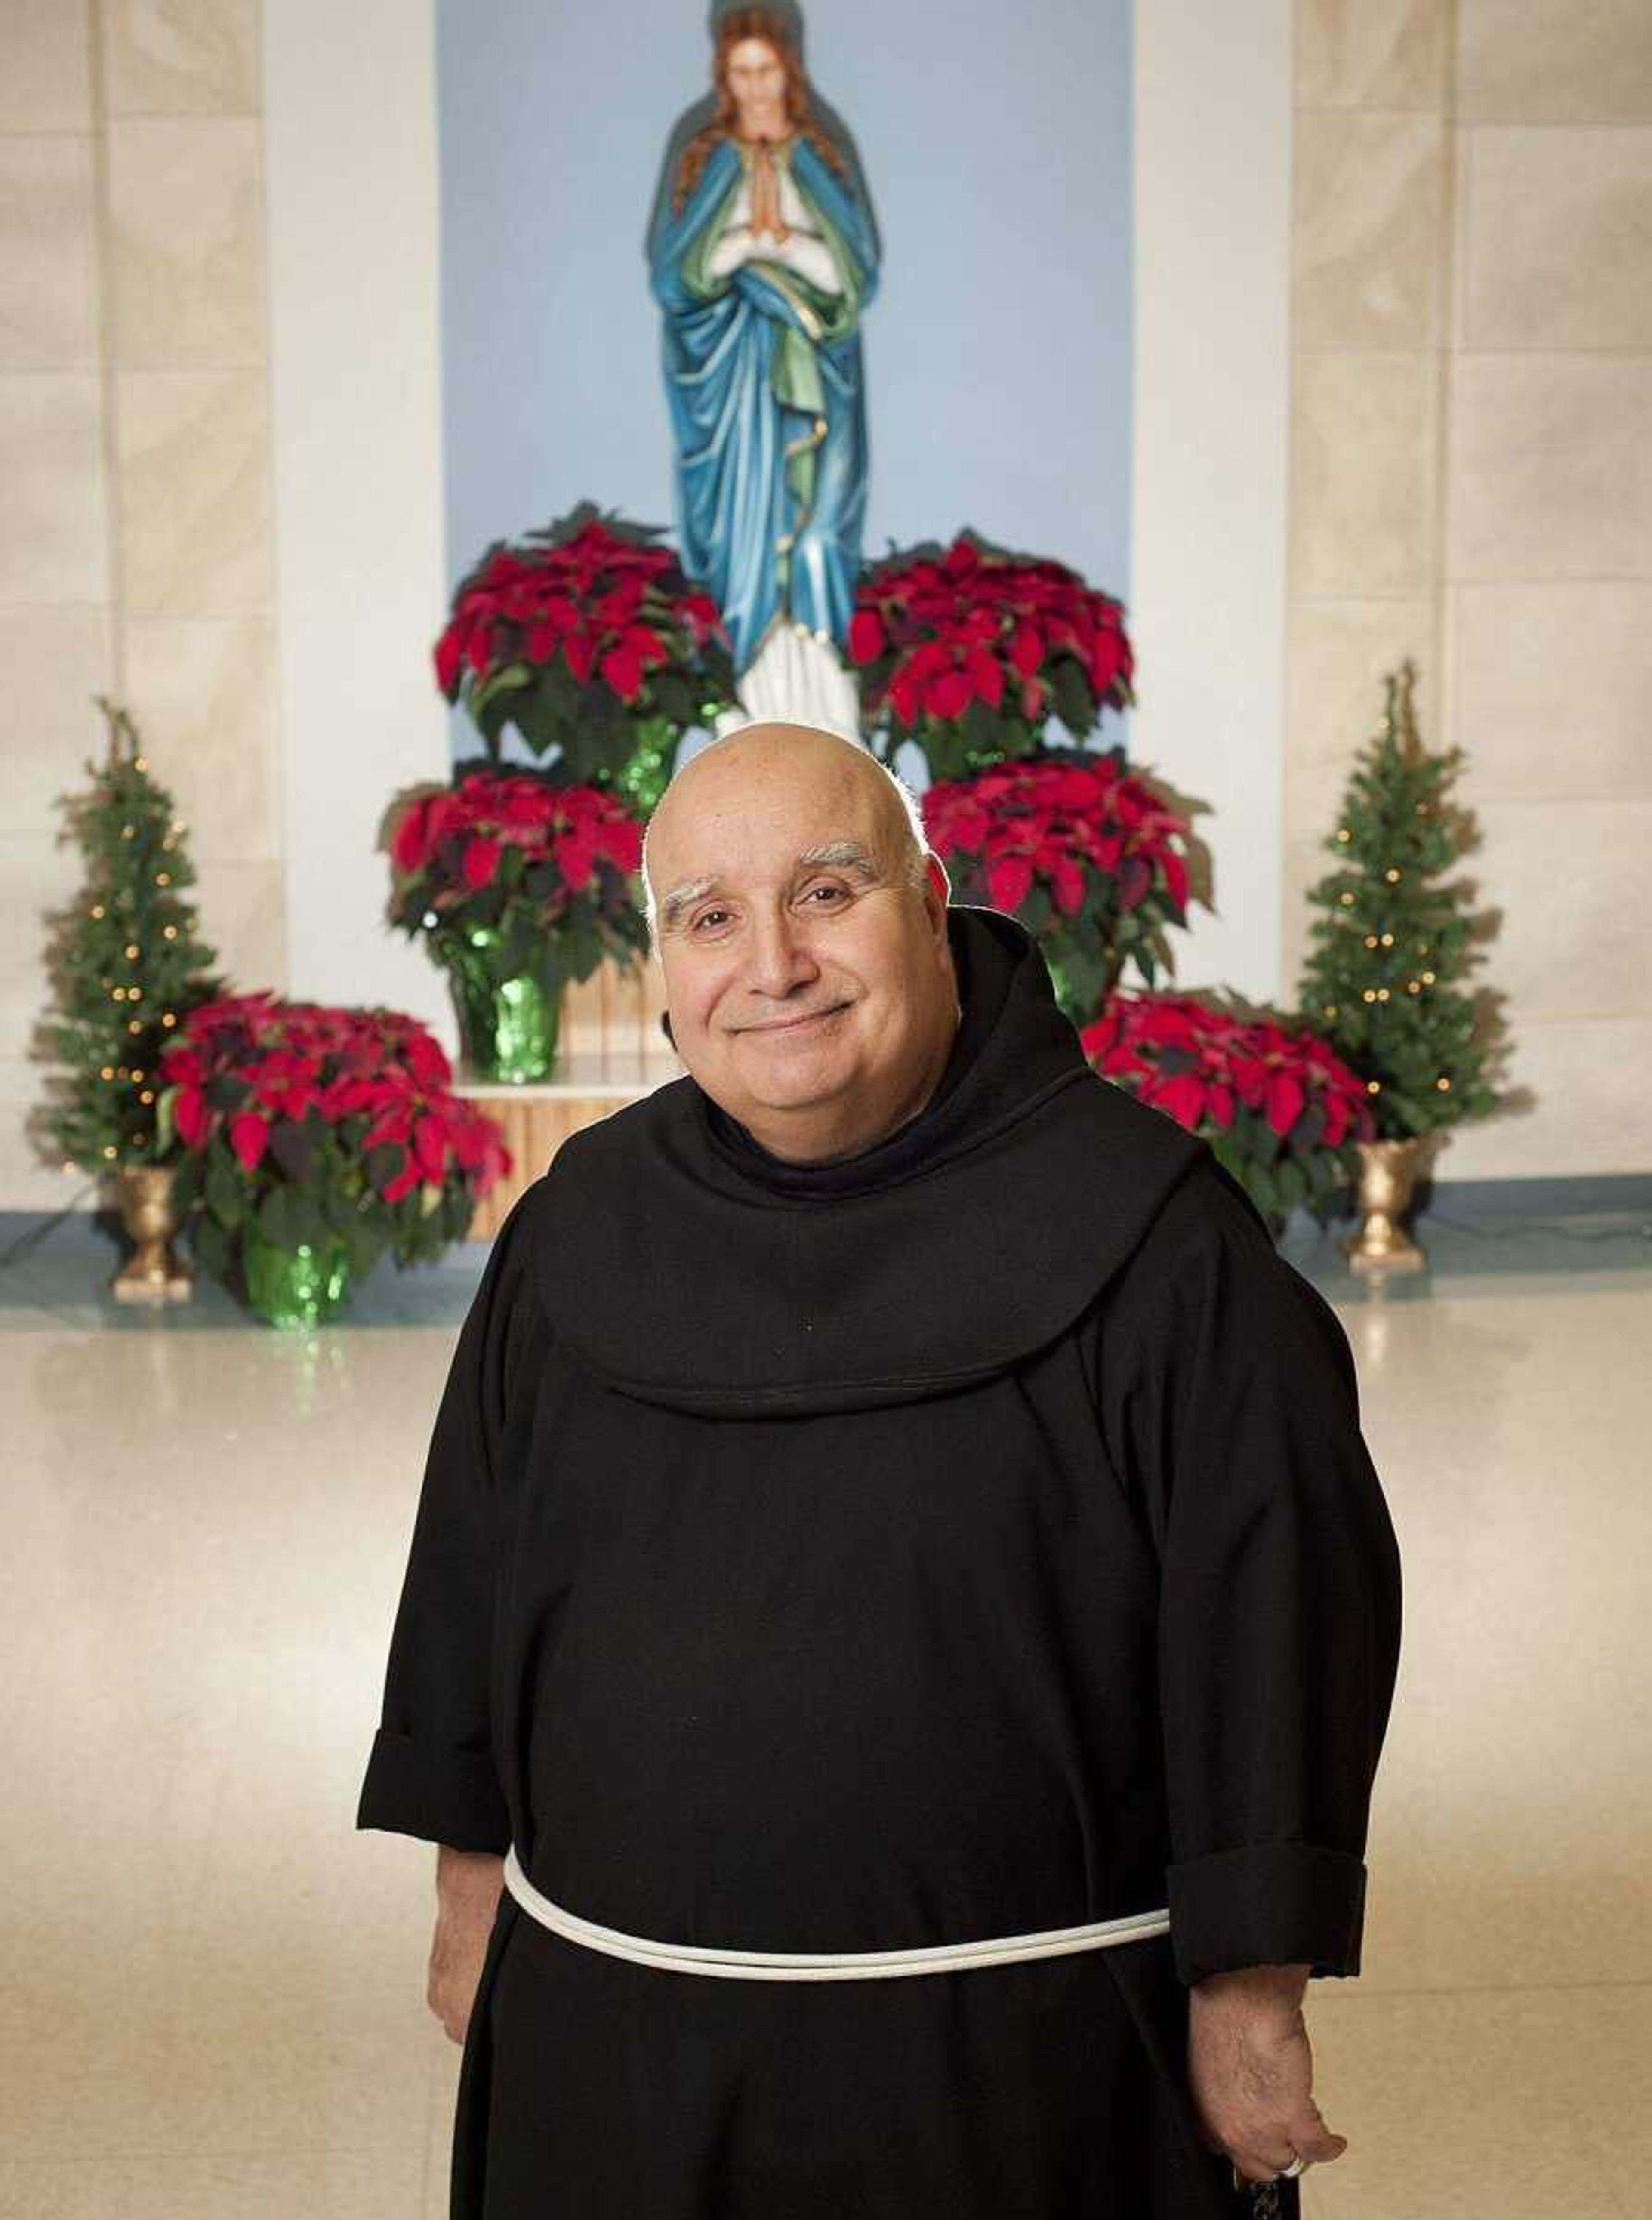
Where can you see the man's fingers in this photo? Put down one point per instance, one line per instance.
(1268, 2155)
(1255, 2165)
(1310, 2137)
(1320, 2149)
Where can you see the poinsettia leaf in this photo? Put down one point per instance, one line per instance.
(188, 1173)
(340, 1210)
(211, 1243)
(226, 1197)
(276, 1217)
(1075, 704)
(982, 729)
(365, 1242)
(291, 1150)
(579, 947)
(1035, 911)
(505, 680)
(382, 1162)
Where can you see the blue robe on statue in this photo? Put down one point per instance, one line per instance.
(764, 381)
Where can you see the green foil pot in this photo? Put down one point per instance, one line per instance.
(648, 770)
(507, 1027)
(302, 1287)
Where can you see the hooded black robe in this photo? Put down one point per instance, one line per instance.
(971, 1536)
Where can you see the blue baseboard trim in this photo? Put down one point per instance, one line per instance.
(1479, 1235)
(1627, 1194)
(1605, 1194)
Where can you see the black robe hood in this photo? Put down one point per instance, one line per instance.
(685, 1265)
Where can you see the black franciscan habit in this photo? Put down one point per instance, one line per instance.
(971, 1536)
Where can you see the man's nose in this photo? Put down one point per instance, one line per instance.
(779, 953)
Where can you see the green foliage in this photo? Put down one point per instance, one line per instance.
(125, 965)
(1383, 982)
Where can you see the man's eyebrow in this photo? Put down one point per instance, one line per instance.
(851, 856)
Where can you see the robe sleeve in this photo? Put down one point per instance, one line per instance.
(1234, 1406)
(431, 1771)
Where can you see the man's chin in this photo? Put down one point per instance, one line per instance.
(799, 1083)
(805, 1094)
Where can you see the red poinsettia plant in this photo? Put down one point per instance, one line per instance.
(313, 1123)
(1082, 850)
(588, 638)
(970, 651)
(517, 874)
(1280, 1108)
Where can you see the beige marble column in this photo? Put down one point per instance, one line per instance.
(136, 542)
(57, 595)
(188, 356)
(1472, 485)
(1548, 587)
(1369, 320)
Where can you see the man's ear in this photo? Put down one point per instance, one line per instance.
(665, 1026)
(936, 871)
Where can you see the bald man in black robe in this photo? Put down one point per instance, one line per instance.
(900, 1621)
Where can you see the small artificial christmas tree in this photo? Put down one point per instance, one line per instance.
(1381, 984)
(126, 966)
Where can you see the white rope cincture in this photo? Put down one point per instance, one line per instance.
(827, 1965)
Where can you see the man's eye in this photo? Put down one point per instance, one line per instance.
(826, 887)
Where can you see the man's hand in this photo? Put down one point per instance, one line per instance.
(1251, 2070)
(468, 1886)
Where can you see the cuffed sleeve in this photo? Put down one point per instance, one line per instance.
(431, 1770)
(1269, 1903)
(441, 1793)
(1236, 1411)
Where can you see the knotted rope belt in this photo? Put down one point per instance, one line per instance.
(827, 1965)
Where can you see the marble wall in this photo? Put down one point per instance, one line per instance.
(136, 545)
(1472, 485)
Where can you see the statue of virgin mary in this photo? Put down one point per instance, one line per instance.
(762, 253)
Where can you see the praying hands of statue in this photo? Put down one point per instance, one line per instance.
(765, 196)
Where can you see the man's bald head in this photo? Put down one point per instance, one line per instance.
(755, 753)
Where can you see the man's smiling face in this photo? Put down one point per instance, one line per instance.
(810, 979)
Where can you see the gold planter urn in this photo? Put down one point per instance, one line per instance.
(1389, 1171)
(152, 1274)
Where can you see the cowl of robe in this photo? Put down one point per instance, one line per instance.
(734, 1286)
(970, 1537)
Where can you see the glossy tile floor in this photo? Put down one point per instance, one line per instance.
(213, 1992)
